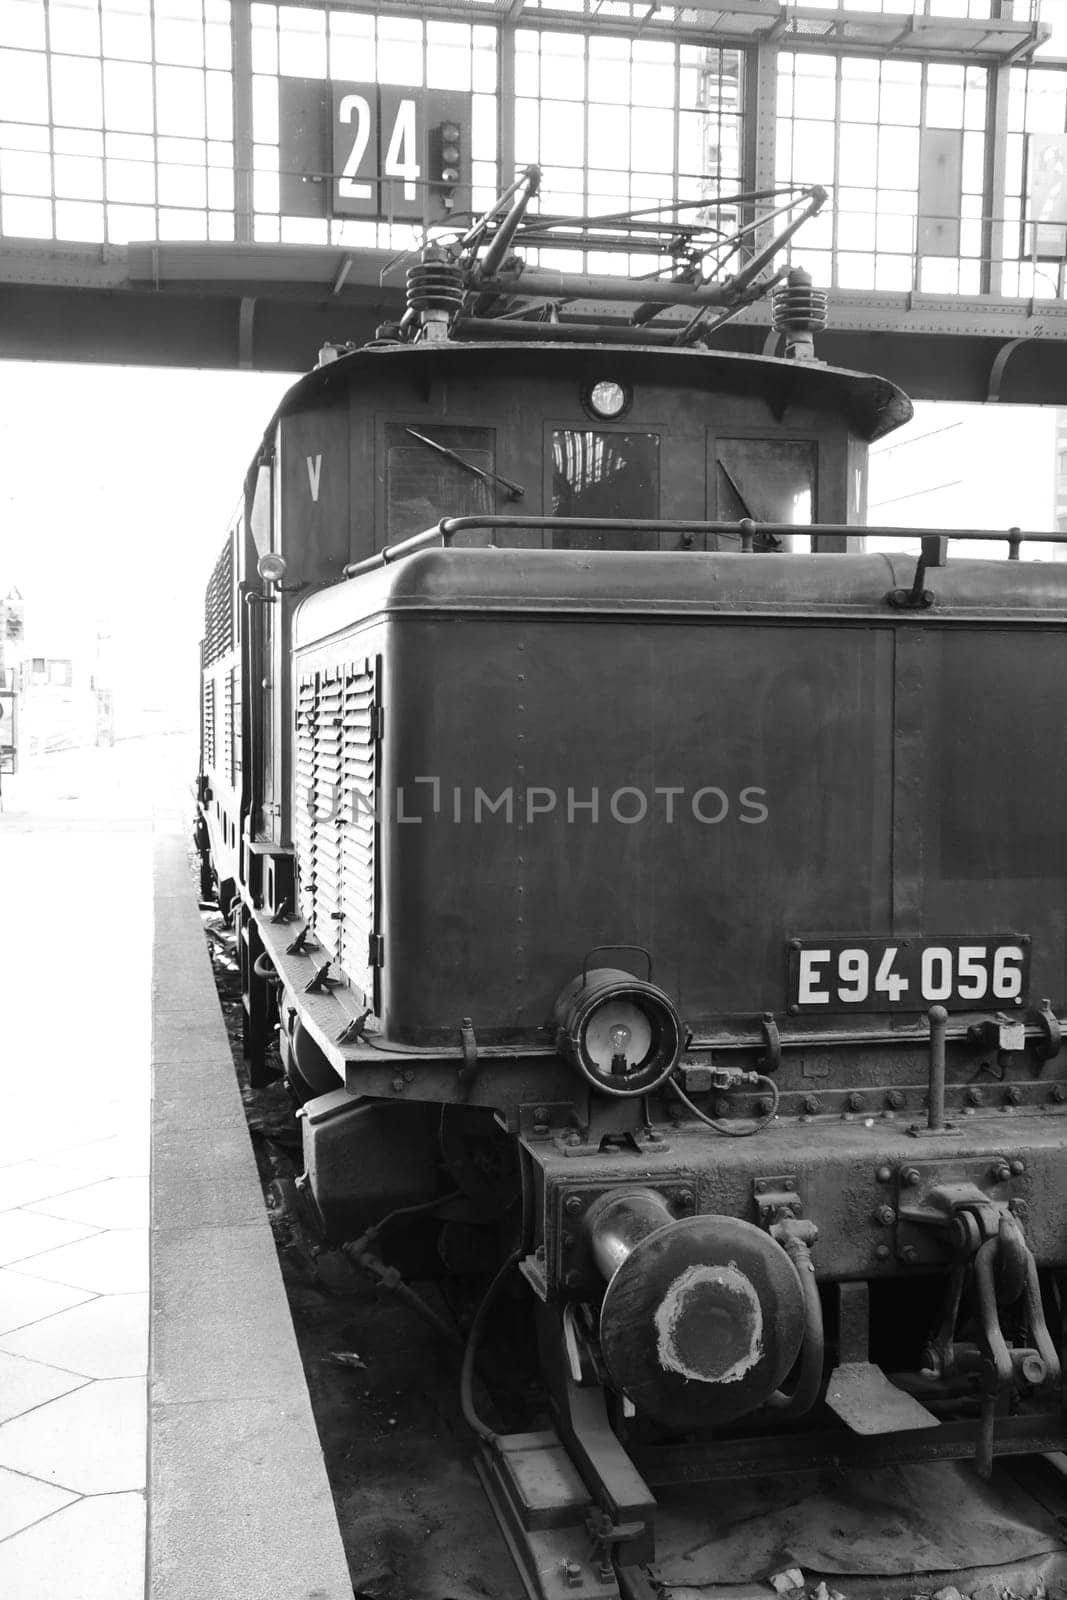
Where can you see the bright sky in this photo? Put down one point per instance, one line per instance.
(116, 486)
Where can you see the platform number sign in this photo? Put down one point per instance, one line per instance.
(387, 145)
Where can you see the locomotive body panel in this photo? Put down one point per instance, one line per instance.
(581, 750)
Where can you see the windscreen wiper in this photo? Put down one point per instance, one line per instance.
(515, 491)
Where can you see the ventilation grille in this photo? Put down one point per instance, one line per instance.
(218, 608)
(227, 727)
(235, 719)
(335, 824)
(208, 724)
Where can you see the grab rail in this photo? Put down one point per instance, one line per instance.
(933, 554)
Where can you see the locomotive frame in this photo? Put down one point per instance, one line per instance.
(860, 986)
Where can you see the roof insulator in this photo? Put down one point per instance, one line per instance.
(799, 311)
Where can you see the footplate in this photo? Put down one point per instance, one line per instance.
(866, 1401)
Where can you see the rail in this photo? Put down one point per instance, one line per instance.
(932, 540)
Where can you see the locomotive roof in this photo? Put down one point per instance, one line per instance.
(872, 406)
(680, 583)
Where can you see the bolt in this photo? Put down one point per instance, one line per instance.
(909, 1255)
(1000, 1172)
(541, 1114)
(895, 1099)
(856, 1101)
(567, 1242)
(787, 1183)
(811, 1104)
(573, 1573)
(684, 1200)
(760, 1186)
(302, 1181)
(975, 1095)
(794, 1010)
(1019, 1208)
(722, 1106)
(884, 1174)
(675, 1112)
(1013, 1096)
(1017, 1168)
(653, 1137)
(572, 1205)
(764, 1105)
(573, 1137)
(1059, 1093)
(398, 1085)
(882, 1252)
(909, 1177)
(886, 1216)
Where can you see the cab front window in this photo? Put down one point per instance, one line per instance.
(434, 472)
(602, 474)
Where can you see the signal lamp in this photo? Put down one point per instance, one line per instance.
(450, 152)
(622, 1034)
(607, 399)
(271, 567)
(447, 147)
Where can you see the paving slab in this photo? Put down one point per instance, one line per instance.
(114, 1261)
(24, 1300)
(91, 1441)
(90, 1550)
(24, 1501)
(104, 1338)
(26, 1384)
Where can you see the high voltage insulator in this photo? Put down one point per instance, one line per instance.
(798, 311)
(797, 307)
(435, 285)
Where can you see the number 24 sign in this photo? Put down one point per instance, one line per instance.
(381, 149)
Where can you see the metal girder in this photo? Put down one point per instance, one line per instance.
(741, 22)
(271, 307)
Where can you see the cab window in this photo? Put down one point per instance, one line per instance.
(429, 476)
(769, 480)
(603, 475)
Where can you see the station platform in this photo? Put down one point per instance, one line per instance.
(156, 1437)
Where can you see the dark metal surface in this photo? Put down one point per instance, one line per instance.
(865, 1400)
(815, 1451)
(824, 859)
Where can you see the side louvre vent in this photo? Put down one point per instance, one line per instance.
(218, 608)
(208, 728)
(336, 825)
(227, 727)
(235, 716)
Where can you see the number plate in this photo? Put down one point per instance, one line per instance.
(970, 974)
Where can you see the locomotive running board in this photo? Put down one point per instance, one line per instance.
(541, 1505)
(865, 1400)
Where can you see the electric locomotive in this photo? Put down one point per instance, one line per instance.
(690, 902)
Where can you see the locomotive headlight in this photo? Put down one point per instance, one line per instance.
(623, 1035)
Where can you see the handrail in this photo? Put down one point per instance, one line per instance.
(747, 530)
